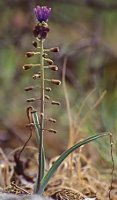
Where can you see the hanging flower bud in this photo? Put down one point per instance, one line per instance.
(52, 120)
(56, 82)
(34, 43)
(41, 115)
(56, 103)
(35, 76)
(31, 125)
(54, 49)
(52, 130)
(53, 67)
(30, 100)
(29, 88)
(45, 55)
(49, 61)
(27, 66)
(30, 54)
(47, 97)
(48, 89)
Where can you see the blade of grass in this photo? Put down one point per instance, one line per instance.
(70, 140)
(70, 135)
(89, 112)
(57, 163)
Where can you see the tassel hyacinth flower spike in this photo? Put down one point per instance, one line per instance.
(40, 32)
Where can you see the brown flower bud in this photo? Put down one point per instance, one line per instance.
(35, 76)
(45, 55)
(30, 54)
(49, 61)
(41, 114)
(56, 103)
(27, 66)
(47, 97)
(53, 67)
(56, 82)
(29, 88)
(52, 130)
(52, 120)
(48, 89)
(34, 43)
(30, 125)
(30, 100)
(54, 49)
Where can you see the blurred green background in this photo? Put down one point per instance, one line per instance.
(86, 32)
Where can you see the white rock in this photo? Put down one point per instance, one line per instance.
(4, 196)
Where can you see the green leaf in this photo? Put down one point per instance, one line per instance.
(36, 124)
(37, 128)
(62, 157)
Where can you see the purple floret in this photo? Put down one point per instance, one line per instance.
(42, 13)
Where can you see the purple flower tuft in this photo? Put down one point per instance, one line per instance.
(42, 13)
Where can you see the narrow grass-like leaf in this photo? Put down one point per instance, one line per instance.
(37, 129)
(62, 157)
(36, 125)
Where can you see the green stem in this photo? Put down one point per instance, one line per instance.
(40, 169)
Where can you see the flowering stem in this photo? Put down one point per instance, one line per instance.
(40, 159)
